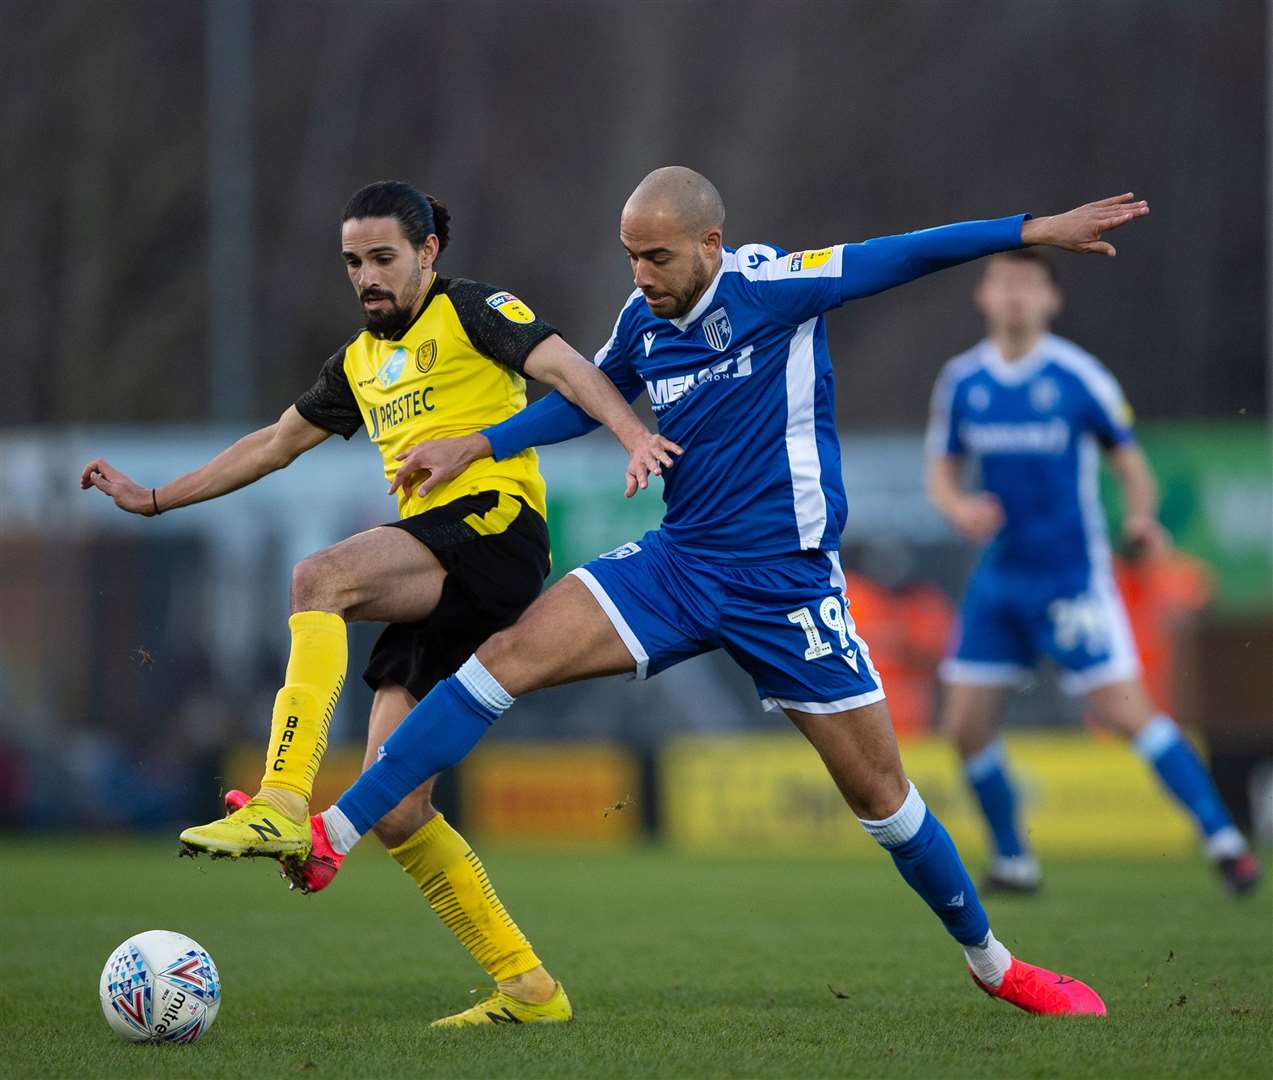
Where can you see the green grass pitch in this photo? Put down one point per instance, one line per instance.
(678, 967)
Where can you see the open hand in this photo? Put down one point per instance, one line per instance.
(128, 495)
(1145, 539)
(1080, 229)
(435, 461)
(649, 457)
(977, 517)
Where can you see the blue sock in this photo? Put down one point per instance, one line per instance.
(925, 854)
(997, 794)
(435, 735)
(1183, 774)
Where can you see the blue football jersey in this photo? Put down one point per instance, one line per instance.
(1035, 426)
(743, 383)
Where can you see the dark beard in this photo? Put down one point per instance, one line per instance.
(698, 283)
(394, 320)
(388, 323)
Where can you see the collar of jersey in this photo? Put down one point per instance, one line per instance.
(704, 301)
(435, 287)
(1018, 371)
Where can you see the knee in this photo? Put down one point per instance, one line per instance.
(502, 654)
(884, 796)
(969, 730)
(313, 585)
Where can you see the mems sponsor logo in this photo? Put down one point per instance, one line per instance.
(1034, 437)
(664, 393)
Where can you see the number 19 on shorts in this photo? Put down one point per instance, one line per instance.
(835, 619)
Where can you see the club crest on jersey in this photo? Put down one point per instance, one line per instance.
(1044, 394)
(979, 398)
(391, 370)
(718, 330)
(510, 307)
(426, 356)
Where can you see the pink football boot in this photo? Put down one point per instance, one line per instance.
(315, 873)
(1038, 990)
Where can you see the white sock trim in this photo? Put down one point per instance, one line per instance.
(985, 761)
(1156, 737)
(989, 960)
(901, 826)
(1228, 843)
(484, 686)
(340, 831)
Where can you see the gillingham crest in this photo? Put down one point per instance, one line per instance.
(718, 330)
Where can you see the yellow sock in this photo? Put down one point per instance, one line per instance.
(454, 881)
(303, 710)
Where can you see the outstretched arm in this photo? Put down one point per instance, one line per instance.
(252, 457)
(582, 400)
(807, 283)
(586, 386)
(881, 264)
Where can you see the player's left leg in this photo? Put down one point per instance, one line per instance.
(451, 877)
(860, 751)
(1089, 636)
(1124, 707)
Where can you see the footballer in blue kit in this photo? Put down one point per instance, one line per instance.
(731, 347)
(1036, 413)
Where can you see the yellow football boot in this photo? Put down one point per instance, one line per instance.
(252, 830)
(500, 1008)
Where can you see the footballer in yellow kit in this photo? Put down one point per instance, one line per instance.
(438, 358)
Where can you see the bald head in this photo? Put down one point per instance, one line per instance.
(675, 195)
(671, 229)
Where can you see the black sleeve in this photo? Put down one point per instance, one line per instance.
(330, 403)
(499, 324)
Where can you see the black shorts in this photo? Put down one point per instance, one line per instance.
(491, 578)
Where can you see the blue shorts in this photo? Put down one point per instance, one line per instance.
(784, 620)
(1009, 619)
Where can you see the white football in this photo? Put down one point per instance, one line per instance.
(160, 986)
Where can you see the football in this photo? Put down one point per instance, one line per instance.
(160, 986)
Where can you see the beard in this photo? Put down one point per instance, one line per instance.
(389, 322)
(699, 278)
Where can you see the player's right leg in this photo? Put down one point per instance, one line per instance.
(970, 718)
(383, 574)
(621, 613)
(563, 637)
(992, 656)
(860, 751)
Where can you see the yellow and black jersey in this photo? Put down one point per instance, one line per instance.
(456, 369)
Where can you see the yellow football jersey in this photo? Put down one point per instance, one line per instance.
(458, 368)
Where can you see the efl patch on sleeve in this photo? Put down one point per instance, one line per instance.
(510, 307)
(808, 260)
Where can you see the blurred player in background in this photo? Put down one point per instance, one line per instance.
(1035, 411)
(731, 347)
(437, 357)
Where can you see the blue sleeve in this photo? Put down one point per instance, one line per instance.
(1108, 415)
(554, 418)
(807, 283)
(551, 419)
(942, 437)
